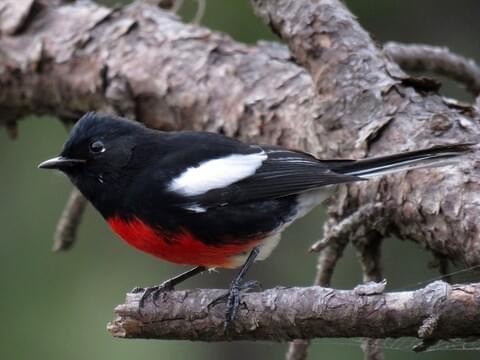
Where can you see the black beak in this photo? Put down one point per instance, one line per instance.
(60, 163)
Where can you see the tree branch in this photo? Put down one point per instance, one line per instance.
(331, 246)
(369, 251)
(364, 98)
(345, 99)
(104, 59)
(330, 253)
(283, 314)
(67, 226)
(440, 60)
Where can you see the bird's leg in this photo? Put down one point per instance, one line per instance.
(167, 285)
(236, 287)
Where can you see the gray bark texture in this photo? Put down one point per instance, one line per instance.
(418, 57)
(333, 92)
(283, 314)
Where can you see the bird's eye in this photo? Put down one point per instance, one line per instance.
(97, 147)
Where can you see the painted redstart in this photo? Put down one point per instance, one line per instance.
(205, 199)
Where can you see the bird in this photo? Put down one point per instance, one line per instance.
(207, 200)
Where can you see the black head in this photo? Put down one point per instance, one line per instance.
(97, 152)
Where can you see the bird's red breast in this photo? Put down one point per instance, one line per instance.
(181, 247)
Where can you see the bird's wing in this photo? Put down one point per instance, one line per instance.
(269, 173)
(237, 173)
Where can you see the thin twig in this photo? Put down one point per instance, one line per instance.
(439, 60)
(177, 5)
(297, 350)
(201, 7)
(66, 231)
(372, 350)
(348, 226)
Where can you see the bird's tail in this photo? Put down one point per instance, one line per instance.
(433, 157)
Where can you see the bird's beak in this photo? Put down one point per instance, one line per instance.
(60, 163)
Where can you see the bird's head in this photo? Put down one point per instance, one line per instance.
(97, 152)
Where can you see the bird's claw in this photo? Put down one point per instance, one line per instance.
(153, 291)
(232, 298)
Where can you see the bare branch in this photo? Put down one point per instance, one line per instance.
(297, 350)
(440, 60)
(323, 37)
(352, 102)
(352, 227)
(177, 6)
(283, 314)
(201, 8)
(327, 260)
(369, 252)
(352, 76)
(372, 350)
(206, 81)
(331, 246)
(66, 231)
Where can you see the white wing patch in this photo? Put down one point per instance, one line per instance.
(196, 208)
(217, 173)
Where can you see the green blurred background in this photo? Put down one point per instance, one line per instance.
(56, 306)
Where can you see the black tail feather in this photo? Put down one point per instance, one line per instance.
(432, 157)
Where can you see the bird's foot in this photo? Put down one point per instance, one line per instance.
(232, 298)
(168, 285)
(153, 291)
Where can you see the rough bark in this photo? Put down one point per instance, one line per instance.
(439, 60)
(374, 108)
(144, 63)
(334, 93)
(283, 314)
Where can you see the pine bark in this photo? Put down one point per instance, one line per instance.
(438, 311)
(333, 92)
